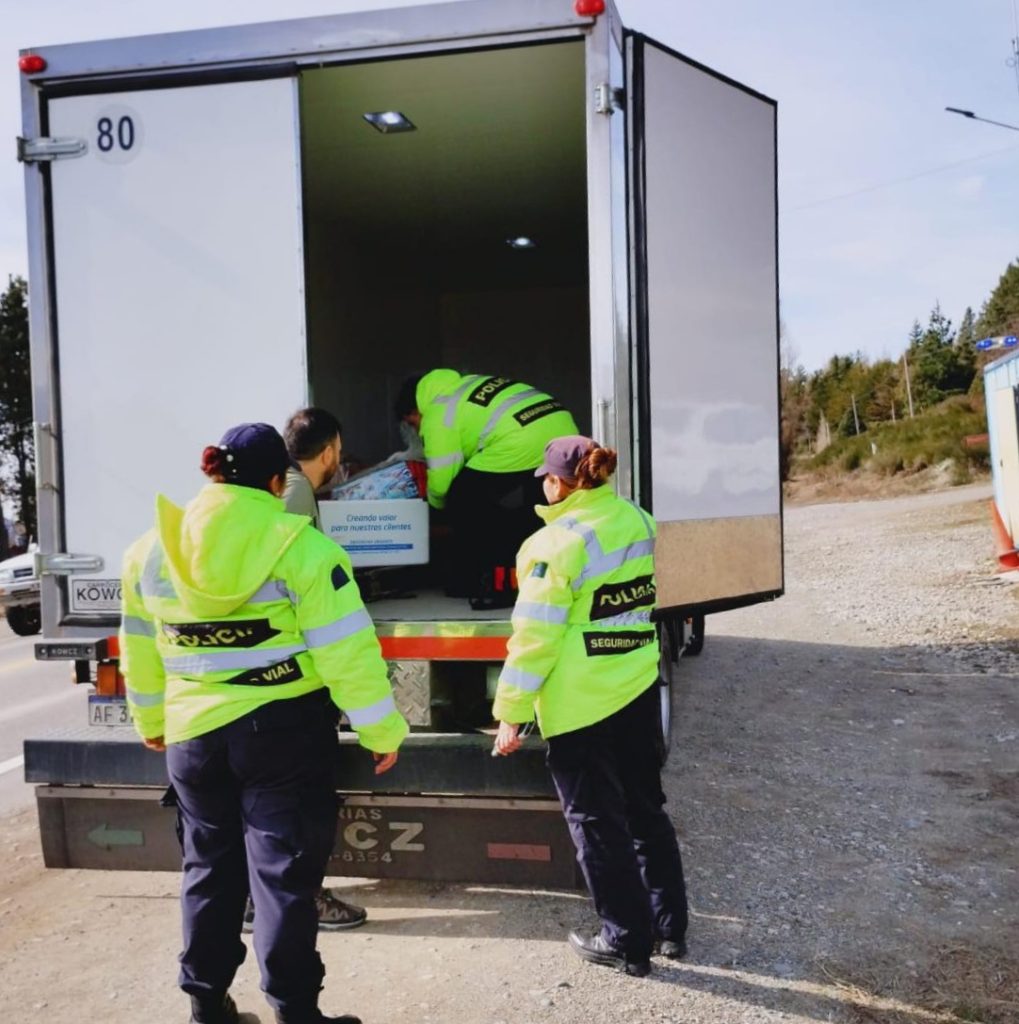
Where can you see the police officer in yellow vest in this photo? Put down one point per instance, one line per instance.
(584, 657)
(483, 438)
(242, 632)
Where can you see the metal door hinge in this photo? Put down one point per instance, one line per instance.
(42, 150)
(608, 99)
(61, 564)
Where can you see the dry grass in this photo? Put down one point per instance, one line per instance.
(807, 488)
(959, 986)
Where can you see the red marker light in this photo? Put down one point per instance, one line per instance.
(32, 63)
(589, 8)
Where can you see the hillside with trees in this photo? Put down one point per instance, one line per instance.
(893, 418)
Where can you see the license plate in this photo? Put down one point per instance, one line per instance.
(107, 711)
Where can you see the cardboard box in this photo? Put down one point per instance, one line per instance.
(380, 532)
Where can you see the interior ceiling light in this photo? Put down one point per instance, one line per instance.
(387, 121)
(521, 242)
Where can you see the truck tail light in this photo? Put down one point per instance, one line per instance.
(31, 63)
(589, 8)
(109, 681)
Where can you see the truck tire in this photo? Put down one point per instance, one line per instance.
(695, 643)
(25, 620)
(666, 674)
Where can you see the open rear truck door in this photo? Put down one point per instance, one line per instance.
(177, 278)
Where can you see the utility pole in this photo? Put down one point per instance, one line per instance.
(909, 390)
(856, 419)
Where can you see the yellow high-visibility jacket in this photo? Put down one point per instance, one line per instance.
(583, 644)
(232, 603)
(491, 424)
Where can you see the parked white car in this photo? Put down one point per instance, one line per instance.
(19, 593)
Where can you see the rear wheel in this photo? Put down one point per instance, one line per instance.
(666, 674)
(25, 620)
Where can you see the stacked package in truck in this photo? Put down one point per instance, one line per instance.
(379, 517)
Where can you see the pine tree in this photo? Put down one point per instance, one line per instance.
(967, 334)
(939, 367)
(1000, 315)
(16, 442)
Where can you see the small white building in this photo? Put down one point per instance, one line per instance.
(1001, 393)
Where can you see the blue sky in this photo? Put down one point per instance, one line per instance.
(888, 204)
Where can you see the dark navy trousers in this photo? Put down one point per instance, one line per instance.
(257, 807)
(609, 784)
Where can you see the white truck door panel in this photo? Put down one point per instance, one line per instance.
(703, 170)
(179, 279)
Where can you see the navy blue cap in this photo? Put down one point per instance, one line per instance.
(254, 453)
(562, 455)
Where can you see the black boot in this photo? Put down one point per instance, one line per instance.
(596, 950)
(213, 1009)
(314, 1016)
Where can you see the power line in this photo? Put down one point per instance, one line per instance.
(901, 181)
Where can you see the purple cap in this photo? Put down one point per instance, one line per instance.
(562, 455)
(254, 453)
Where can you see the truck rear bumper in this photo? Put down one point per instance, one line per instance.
(448, 812)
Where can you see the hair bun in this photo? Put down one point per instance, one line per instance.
(213, 461)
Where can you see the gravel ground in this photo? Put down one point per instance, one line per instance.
(844, 781)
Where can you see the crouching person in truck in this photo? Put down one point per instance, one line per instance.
(483, 438)
(584, 657)
(243, 631)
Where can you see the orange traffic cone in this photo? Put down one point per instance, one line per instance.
(1008, 558)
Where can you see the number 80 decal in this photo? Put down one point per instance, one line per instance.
(117, 134)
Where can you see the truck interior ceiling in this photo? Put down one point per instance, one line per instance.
(458, 242)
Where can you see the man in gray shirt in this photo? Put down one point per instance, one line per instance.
(314, 441)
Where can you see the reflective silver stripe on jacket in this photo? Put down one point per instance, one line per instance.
(371, 715)
(272, 590)
(144, 700)
(445, 460)
(322, 636)
(514, 402)
(230, 661)
(451, 401)
(540, 612)
(616, 559)
(152, 584)
(625, 619)
(134, 625)
(599, 561)
(521, 680)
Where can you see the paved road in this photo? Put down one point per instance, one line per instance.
(35, 697)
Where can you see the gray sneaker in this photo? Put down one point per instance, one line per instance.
(334, 914)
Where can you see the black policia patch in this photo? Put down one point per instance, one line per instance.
(544, 408)
(615, 598)
(486, 391)
(340, 578)
(617, 642)
(282, 672)
(241, 633)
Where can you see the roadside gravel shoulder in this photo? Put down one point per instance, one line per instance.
(845, 783)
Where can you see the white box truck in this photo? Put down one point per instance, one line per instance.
(226, 225)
